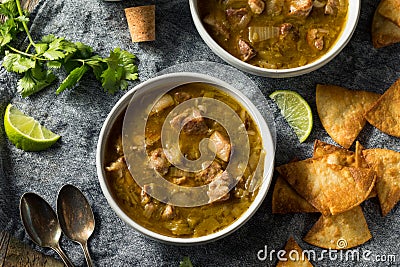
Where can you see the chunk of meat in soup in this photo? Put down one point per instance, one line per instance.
(168, 212)
(190, 121)
(331, 7)
(217, 26)
(274, 7)
(287, 30)
(300, 8)
(182, 96)
(159, 161)
(218, 189)
(220, 145)
(118, 166)
(247, 52)
(315, 38)
(256, 6)
(209, 173)
(238, 18)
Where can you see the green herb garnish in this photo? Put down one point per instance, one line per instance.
(38, 59)
(186, 262)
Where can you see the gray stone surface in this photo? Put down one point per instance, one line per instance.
(77, 115)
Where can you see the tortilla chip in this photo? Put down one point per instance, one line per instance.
(286, 200)
(141, 23)
(294, 255)
(330, 188)
(342, 231)
(390, 9)
(341, 111)
(337, 155)
(384, 32)
(386, 164)
(341, 156)
(385, 114)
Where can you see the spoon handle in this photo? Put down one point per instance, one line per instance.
(87, 255)
(63, 256)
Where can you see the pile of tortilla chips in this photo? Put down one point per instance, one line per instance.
(335, 181)
(386, 24)
(341, 111)
(344, 113)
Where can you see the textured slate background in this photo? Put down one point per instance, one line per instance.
(77, 115)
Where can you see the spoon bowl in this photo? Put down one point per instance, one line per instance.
(41, 224)
(76, 217)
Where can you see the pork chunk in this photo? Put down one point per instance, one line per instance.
(246, 51)
(238, 18)
(209, 173)
(220, 145)
(256, 6)
(118, 166)
(190, 121)
(300, 8)
(331, 7)
(218, 27)
(159, 161)
(218, 189)
(315, 38)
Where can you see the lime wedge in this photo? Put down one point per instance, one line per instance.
(25, 132)
(296, 112)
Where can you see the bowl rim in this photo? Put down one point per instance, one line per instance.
(336, 48)
(268, 143)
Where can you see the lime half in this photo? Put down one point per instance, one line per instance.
(296, 112)
(25, 132)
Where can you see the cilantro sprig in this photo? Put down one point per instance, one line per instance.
(38, 60)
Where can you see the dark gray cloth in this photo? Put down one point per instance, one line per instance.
(78, 114)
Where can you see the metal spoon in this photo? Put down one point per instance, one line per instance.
(76, 217)
(41, 224)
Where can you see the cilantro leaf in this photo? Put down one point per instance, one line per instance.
(98, 66)
(9, 8)
(41, 48)
(73, 78)
(17, 63)
(120, 67)
(34, 80)
(59, 48)
(5, 39)
(54, 64)
(83, 51)
(186, 262)
(47, 39)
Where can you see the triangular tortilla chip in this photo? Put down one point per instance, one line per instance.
(386, 164)
(294, 255)
(341, 111)
(286, 200)
(384, 32)
(337, 155)
(330, 188)
(385, 113)
(390, 9)
(342, 156)
(342, 231)
(361, 162)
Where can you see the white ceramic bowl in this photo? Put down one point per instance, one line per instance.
(171, 81)
(344, 38)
